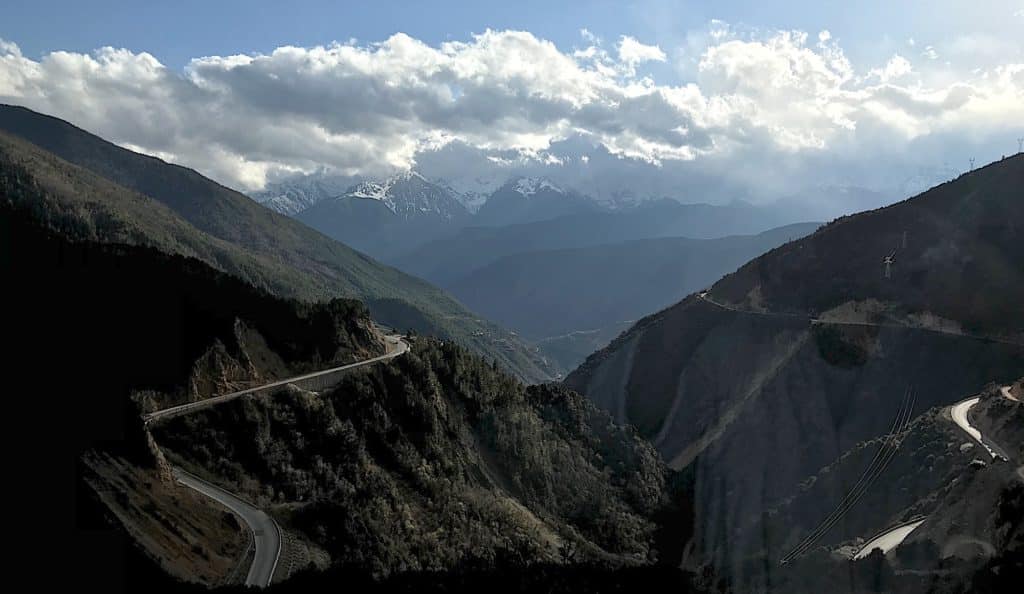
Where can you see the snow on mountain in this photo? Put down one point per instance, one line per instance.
(296, 194)
(410, 195)
(472, 191)
(528, 186)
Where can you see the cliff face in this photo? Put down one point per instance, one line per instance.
(760, 404)
(781, 368)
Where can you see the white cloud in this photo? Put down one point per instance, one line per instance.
(633, 52)
(754, 101)
(896, 68)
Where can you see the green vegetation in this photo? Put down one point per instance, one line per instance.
(958, 247)
(435, 460)
(834, 347)
(123, 319)
(81, 185)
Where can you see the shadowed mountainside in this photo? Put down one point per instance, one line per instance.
(434, 460)
(743, 391)
(958, 255)
(446, 260)
(115, 195)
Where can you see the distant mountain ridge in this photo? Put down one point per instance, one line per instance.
(531, 199)
(296, 194)
(550, 292)
(411, 196)
(113, 195)
(446, 259)
(808, 351)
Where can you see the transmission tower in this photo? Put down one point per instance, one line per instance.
(972, 164)
(1020, 145)
(888, 261)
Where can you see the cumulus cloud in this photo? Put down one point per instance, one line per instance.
(632, 52)
(510, 97)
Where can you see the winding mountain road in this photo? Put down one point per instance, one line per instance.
(397, 347)
(959, 412)
(892, 537)
(266, 534)
(889, 539)
(703, 296)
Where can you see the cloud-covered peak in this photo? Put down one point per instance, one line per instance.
(757, 110)
(528, 186)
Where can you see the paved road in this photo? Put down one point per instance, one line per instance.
(959, 413)
(265, 531)
(813, 320)
(889, 539)
(396, 344)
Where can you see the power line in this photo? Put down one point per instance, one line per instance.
(883, 456)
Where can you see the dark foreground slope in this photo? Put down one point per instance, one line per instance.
(433, 461)
(808, 350)
(437, 470)
(116, 192)
(89, 325)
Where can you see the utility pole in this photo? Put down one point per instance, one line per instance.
(904, 240)
(1020, 145)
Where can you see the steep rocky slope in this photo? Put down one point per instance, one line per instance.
(972, 508)
(100, 332)
(97, 190)
(807, 351)
(434, 461)
(957, 254)
(437, 461)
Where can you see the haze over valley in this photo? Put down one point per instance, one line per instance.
(450, 297)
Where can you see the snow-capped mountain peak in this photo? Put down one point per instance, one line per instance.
(528, 186)
(409, 194)
(298, 193)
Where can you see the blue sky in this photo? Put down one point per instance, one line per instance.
(734, 99)
(178, 31)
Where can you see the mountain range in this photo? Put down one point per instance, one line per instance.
(768, 400)
(786, 368)
(586, 291)
(102, 192)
